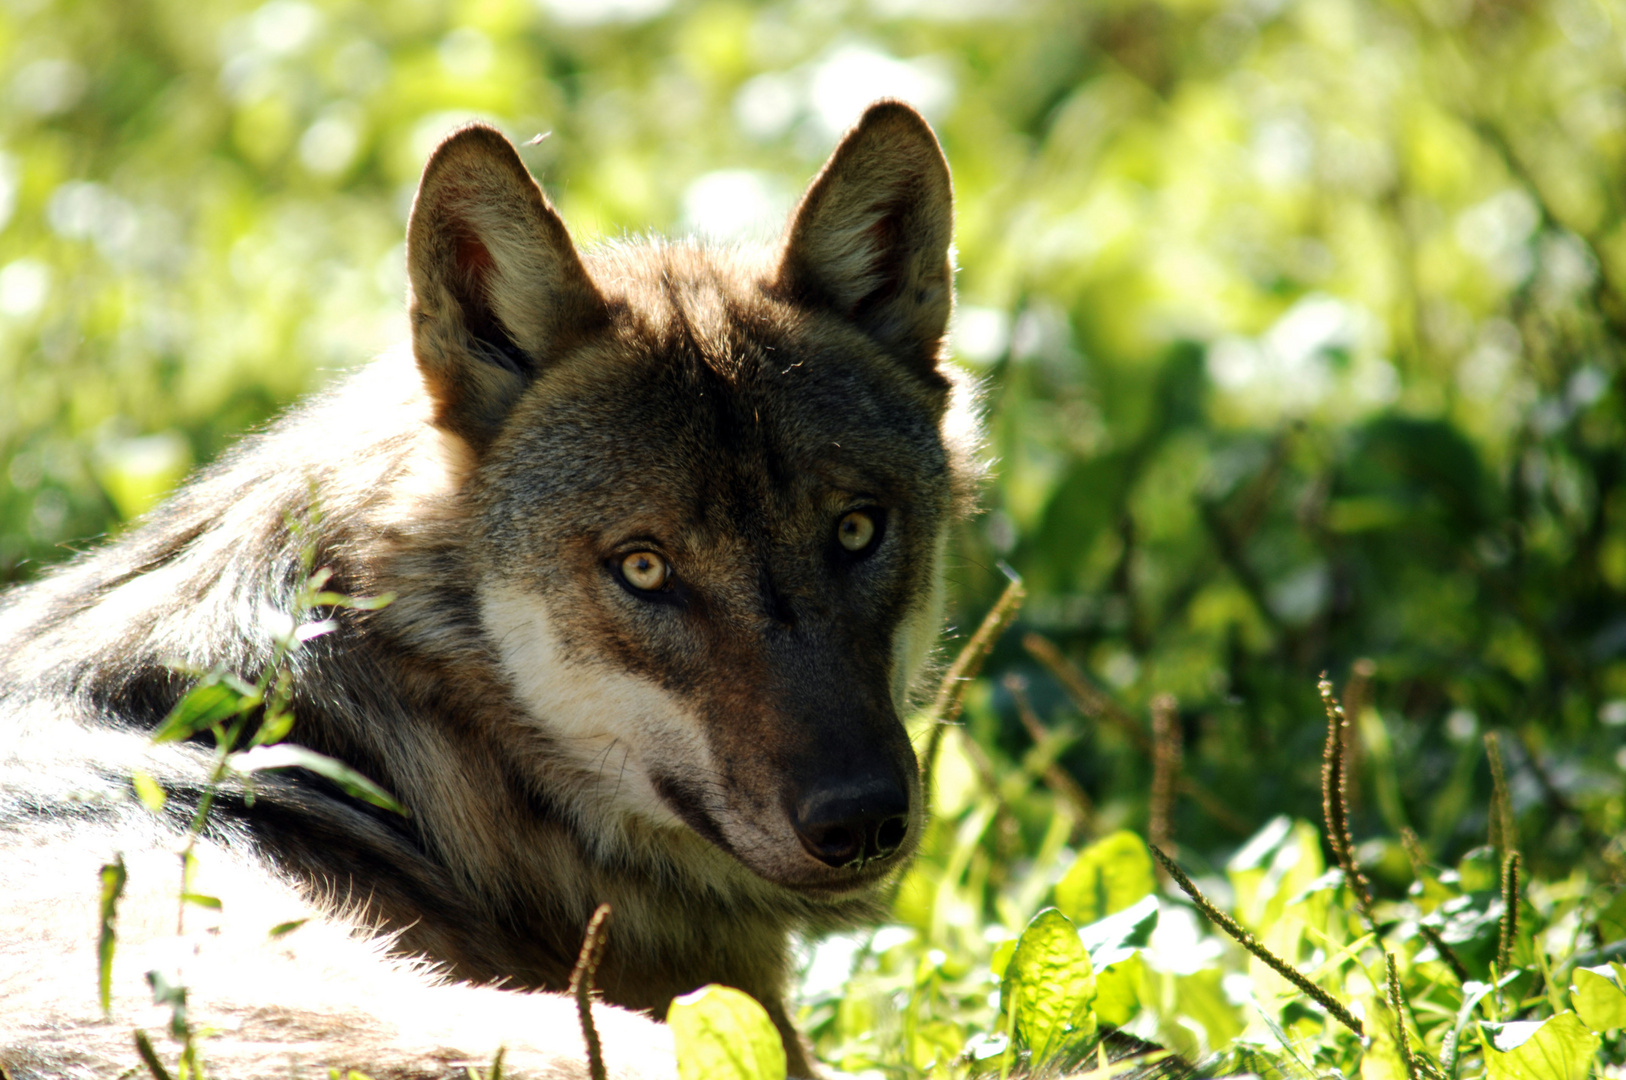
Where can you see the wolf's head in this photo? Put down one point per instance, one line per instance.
(710, 493)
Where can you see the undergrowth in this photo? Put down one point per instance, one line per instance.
(1026, 940)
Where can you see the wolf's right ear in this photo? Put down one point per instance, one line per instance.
(497, 286)
(871, 237)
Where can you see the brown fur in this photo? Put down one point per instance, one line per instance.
(561, 739)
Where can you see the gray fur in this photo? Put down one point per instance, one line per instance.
(723, 408)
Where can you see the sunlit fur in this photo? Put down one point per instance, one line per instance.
(561, 738)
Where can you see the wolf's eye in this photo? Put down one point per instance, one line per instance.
(646, 570)
(856, 530)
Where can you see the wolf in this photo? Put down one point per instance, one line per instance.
(664, 526)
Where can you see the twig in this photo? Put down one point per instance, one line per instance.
(1335, 803)
(581, 986)
(1213, 807)
(1510, 913)
(1253, 945)
(950, 698)
(1398, 1004)
(1056, 778)
(1098, 706)
(1090, 701)
(1165, 769)
(1432, 936)
(1356, 697)
(1502, 835)
(1413, 847)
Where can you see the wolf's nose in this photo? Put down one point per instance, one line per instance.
(850, 825)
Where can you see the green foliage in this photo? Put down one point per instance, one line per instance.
(1048, 988)
(1557, 1048)
(113, 877)
(1301, 329)
(1599, 1001)
(723, 1034)
(1107, 877)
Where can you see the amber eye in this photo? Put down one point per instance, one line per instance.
(646, 570)
(856, 530)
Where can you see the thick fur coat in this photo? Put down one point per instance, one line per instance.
(664, 528)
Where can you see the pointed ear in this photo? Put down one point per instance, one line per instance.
(871, 237)
(497, 287)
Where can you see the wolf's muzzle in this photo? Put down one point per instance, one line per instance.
(851, 824)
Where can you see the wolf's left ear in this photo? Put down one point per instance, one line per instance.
(497, 287)
(871, 236)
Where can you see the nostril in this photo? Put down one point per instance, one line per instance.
(889, 836)
(834, 845)
(851, 824)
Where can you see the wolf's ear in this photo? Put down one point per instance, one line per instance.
(871, 236)
(497, 286)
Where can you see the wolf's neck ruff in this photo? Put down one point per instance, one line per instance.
(665, 526)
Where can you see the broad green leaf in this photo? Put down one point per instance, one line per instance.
(723, 1034)
(288, 756)
(1049, 987)
(1201, 996)
(1108, 876)
(1117, 936)
(1557, 1048)
(1117, 990)
(1599, 1002)
(1279, 863)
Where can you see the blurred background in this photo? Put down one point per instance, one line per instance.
(1301, 323)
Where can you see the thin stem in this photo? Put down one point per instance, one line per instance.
(1432, 936)
(1398, 1004)
(1165, 769)
(1098, 706)
(950, 698)
(1502, 835)
(581, 986)
(1510, 912)
(1253, 945)
(1335, 803)
(1056, 778)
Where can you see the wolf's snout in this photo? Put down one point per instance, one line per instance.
(848, 825)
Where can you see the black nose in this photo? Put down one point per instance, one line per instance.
(851, 824)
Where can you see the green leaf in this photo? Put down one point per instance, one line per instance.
(1557, 1048)
(113, 877)
(147, 790)
(1382, 1059)
(1120, 935)
(289, 756)
(1117, 990)
(218, 696)
(287, 927)
(1049, 987)
(1599, 1002)
(1108, 876)
(200, 900)
(723, 1034)
(360, 603)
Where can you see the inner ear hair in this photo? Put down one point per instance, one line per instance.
(870, 240)
(498, 289)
